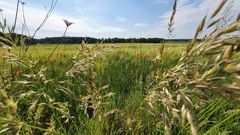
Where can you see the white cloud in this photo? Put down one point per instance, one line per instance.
(83, 26)
(140, 24)
(120, 19)
(188, 16)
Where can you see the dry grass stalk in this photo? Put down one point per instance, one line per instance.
(171, 21)
(219, 8)
(84, 63)
(195, 70)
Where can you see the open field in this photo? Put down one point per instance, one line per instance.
(127, 71)
(126, 88)
(71, 49)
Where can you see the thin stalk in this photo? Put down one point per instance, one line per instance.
(57, 44)
(4, 22)
(13, 30)
(64, 35)
(53, 5)
(19, 52)
(16, 15)
(141, 64)
(64, 47)
(24, 19)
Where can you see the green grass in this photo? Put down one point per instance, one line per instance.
(126, 70)
(135, 89)
(70, 49)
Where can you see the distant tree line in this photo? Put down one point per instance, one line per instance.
(90, 40)
(77, 40)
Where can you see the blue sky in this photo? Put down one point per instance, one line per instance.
(113, 18)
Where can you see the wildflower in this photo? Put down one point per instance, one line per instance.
(138, 55)
(67, 22)
(59, 53)
(52, 59)
(18, 72)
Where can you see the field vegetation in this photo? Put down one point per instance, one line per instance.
(165, 88)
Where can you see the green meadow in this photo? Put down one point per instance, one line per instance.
(55, 103)
(71, 49)
(169, 88)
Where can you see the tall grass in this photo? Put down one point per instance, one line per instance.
(100, 89)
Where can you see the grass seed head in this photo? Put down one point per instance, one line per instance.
(219, 8)
(68, 23)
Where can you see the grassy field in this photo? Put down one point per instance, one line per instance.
(115, 86)
(71, 49)
(124, 89)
